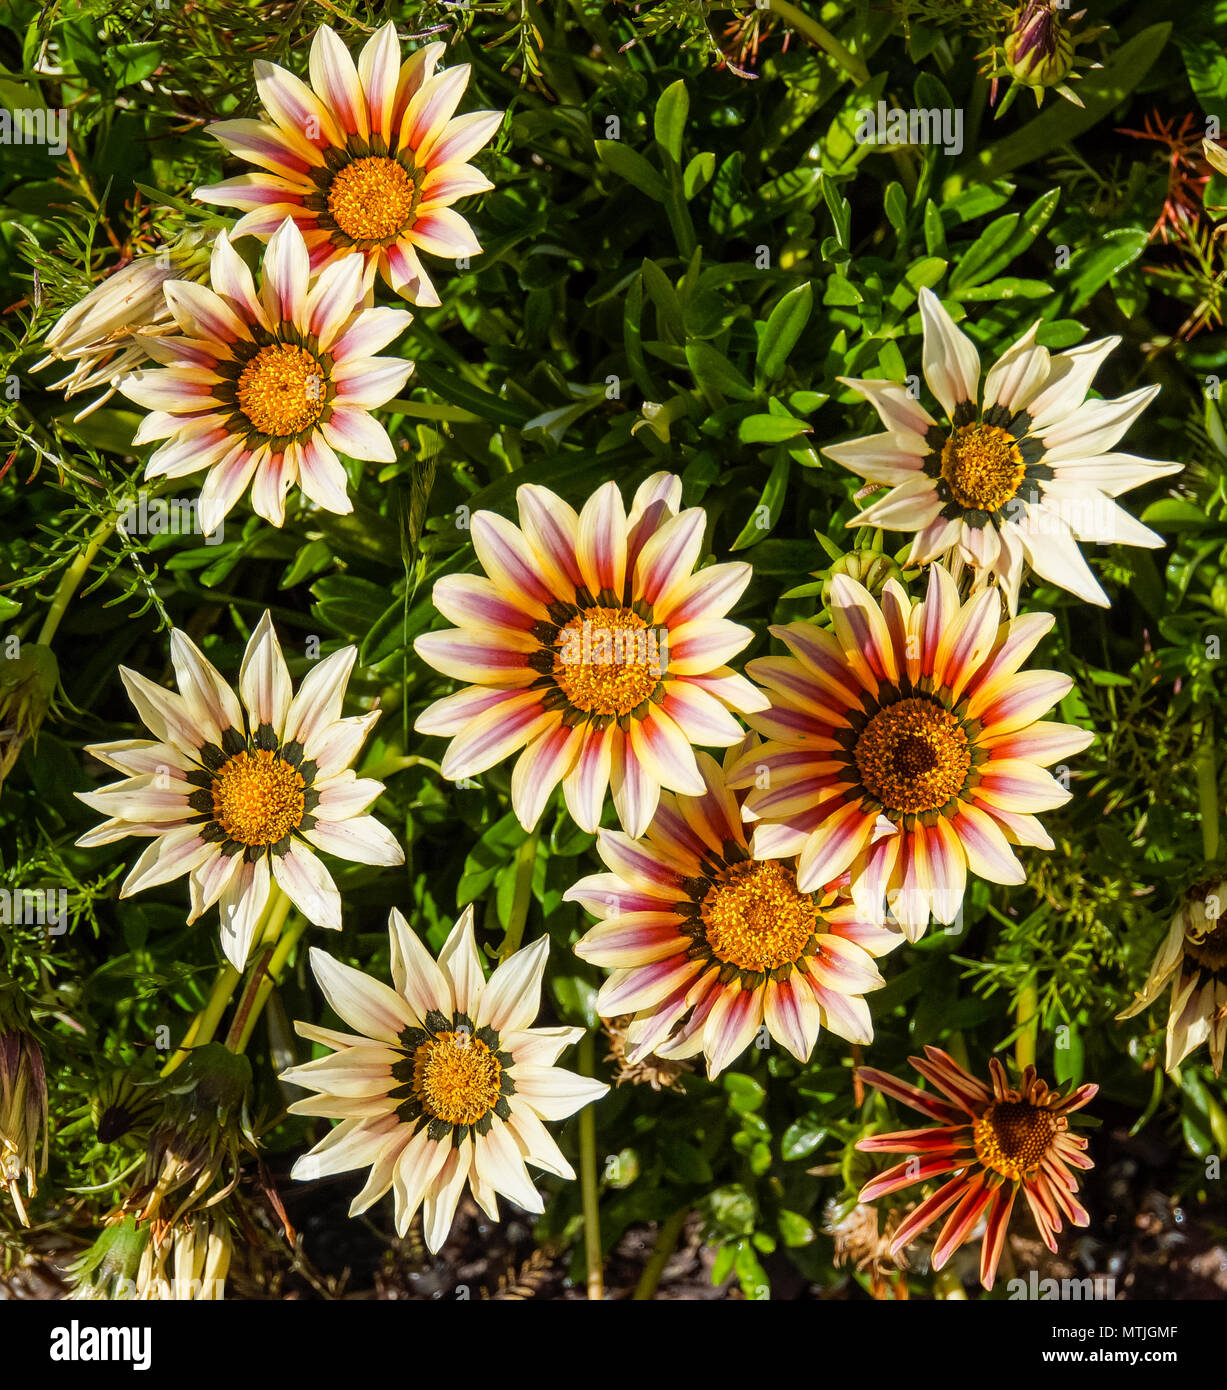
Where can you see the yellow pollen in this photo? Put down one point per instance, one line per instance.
(372, 199)
(1012, 1136)
(257, 798)
(757, 919)
(281, 390)
(607, 661)
(913, 756)
(982, 467)
(456, 1077)
(1211, 951)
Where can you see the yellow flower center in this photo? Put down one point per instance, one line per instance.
(982, 467)
(1012, 1136)
(257, 798)
(281, 390)
(913, 756)
(607, 661)
(1211, 951)
(456, 1077)
(757, 919)
(372, 199)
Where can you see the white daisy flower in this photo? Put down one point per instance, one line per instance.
(443, 1084)
(1016, 480)
(238, 792)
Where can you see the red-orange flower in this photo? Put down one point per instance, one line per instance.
(996, 1143)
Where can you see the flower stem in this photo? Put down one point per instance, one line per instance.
(588, 1180)
(1027, 1013)
(797, 19)
(204, 1025)
(255, 992)
(1207, 787)
(666, 1243)
(266, 978)
(525, 862)
(70, 581)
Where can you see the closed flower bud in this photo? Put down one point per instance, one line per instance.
(23, 1103)
(1038, 51)
(28, 685)
(108, 1270)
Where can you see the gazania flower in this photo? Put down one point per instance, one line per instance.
(1018, 480)
(105, 335)
(261, 389)
(592, 644)
(904, 748)
(1193, 958)
(996, 1143)
(368, 160)
(237, 793)
(443, 1084)
(707, 944)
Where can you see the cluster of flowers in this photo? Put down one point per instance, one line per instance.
(865, 774)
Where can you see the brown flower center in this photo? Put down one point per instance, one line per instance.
(1211, 951)
(982, 467)
(456, 1077)
(756, 917)
(608, 661)
(281, 390)
(372, 199)
(257, 798)
(913, 756)
(1012, 1136)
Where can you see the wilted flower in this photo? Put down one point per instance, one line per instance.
(1015, 481)
(997, 1143)
(23, 1106)
(106, 334)
(240, 793)
(443, 1084)
(1194, 958)
(660, 1073)
(198, 1139)
(853, 1227)
(368, 160)
(28, 686)
(189, 1263)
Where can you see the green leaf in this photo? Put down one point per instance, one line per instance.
(630, 165)
(785, 325)
(670, 119)
(770, 429)
(716, 376)
(765, 515)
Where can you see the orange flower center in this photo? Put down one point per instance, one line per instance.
(1012, 1136)
(608, 661)
(372, 199)
(257, 798)
(456, 1077)
(281, 390)
(1211, 951)
(913, 757)
(982, 467)
(756, 917)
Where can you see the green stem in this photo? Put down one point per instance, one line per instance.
(70, 581)
(588, 1180)
(797, 19)
(1027, 1013)
(1207, 787)
(204, 1025)
(525, 862)
(246, 1013)
(666, 1243)
(268, 977)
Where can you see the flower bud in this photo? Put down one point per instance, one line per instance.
(1038, 50)
(23, 1102)
(28, 684)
